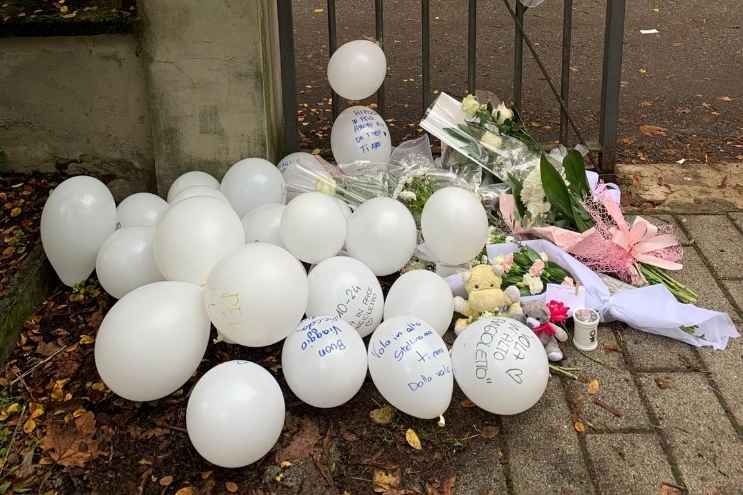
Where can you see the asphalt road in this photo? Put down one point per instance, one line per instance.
(685, 80)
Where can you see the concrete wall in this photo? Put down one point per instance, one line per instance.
(78, 103)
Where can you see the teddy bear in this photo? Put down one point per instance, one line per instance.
(541, 318)
(484, 295)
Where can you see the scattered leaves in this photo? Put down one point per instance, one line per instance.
(386, 481)
(652, 130)
(412, 438)
(302, 444)
(231, 486)
(593, 387)
(166, 481)
(186, 490)
(73, 443)
(382, 415)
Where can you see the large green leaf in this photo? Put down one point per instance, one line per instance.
(575, 172)
(554, 188)
(582, 219)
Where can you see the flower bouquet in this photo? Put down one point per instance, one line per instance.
(529, 271)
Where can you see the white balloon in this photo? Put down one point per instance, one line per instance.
(423, 294)
(356, 69)
(257, 295)
(313, 227)
(141, 210)
(347, 288)
(382, 234)
(324, 361)
(235, 414)
(193, 236)
(126, 261)
(196, 191)
(410, 366)
(152, 340)
(191, 179)
(454, 225)
(500, 365)
(252, 182)
(360, 133)
(78, 216)
(263, 224)
(303, 172)
(345, 209)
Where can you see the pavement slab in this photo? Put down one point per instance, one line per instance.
(735, 288)
(726, 368)
(543, 448)
(702, 439)
(628, 463)
(654, 352)
(737, 217)
(719, 240)
(696, 275)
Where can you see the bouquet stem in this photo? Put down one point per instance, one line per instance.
(655, 275)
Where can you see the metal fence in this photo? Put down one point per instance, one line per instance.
(610, 84)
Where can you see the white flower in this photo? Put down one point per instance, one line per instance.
(502, 113)
(534, 283)
(470, 105)
(491, 141)
(407, 196)
(510, 238)
(532, 194)
(544, 256)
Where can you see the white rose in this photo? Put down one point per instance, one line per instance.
(502, 113)
(407, 196)
(534, 283)
(491, 141)
(470, 105)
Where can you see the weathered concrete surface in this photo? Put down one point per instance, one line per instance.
(726, 370)
(213, 83)
(683, 188)
(718, 239)
(78, 101)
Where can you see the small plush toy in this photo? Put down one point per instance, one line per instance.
(542, 319)
(484, 295)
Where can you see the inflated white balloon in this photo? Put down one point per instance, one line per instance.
(454, 225)
(194, 191)
(152, 340)
(193, 236)
(262, 224)
(382, 234)
(257, 295)
(252, 182)
(313, 227)
(423, 294)
(191, 179)
(500, 365)
(303, 172)
(410, 367)
(126, 261)
(356, 69)
(78, 216)
(347, 288)
(141, 210)
(324, 361)
(360, 133)
(345, 209)
(235, 414)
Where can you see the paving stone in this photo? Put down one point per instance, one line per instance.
(616, 386)
(702, 439)
(480, 471)
(696, 275)
(735, 287)
(619, 469)
(653, 352)
(660, 220)
(737, 217)
(727, 372)
(719, 240)
(544, 452)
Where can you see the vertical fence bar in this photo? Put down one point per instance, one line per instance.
(426, 51)
(471, 46)
(379, 27)
(332, 44)
(288, 74)
(567, 46)
(611, 82)
(518, 56)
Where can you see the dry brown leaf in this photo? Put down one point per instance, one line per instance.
(86, 339)
(663, 382)
(58, 389)
(412, 438)
(667, 488)
(382, 415)
(15, 211)
(646, 103)
(29, 426)
(186, 490)
(231, 486)
(579, 427)
(302, 444)
(652, 130)
(71, 444)
(489, 432)
(206, 474)
(725, 98)
(466, 403)
(593, 387)
(166, 481)
(385, 481)
(36, 409)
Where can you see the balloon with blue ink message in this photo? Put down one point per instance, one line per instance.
(324, 361)
(360, 134)
(410, 366)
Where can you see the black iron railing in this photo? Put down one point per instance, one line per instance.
(610, 85)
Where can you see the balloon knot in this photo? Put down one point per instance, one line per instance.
(442, 421)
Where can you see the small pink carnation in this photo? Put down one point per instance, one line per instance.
(507, 262)
(537, 268)
(568, 282)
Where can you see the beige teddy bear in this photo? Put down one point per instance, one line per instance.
(484, 295)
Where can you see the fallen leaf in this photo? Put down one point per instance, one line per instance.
(166, 481)
(58, 389)
(186, 490)
(466, 403)
(86, 339)
(667, 488)
(382, 415)
(412, 438)
(98, 386)
(29, 426)
(302, 444)
(15, 211)
(663, 382)
(231, 487)
(652, 130)
(36, 409)
(593, 387)
(73, 443)
(489, 432)
(385, 481)
(206, 474)
(645, 104)
(579, 427)
(725, 98)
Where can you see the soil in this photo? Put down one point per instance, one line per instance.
(44, 17)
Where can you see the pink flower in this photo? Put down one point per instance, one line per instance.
(537, 268)
(508, 262)
(558, 311)
(568, 282)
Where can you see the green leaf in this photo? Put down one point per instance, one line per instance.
(575, 172)
(457, 134)
(516, 187)
(533, 255)
(555, 189)
(583, 220)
